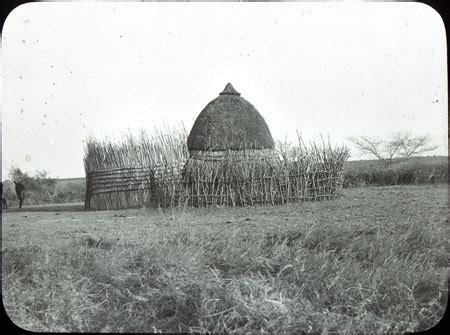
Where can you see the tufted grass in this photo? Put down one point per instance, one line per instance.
(374, 261)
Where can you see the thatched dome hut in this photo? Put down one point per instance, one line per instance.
(230, 146)
(229, 122)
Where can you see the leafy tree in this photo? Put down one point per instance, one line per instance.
(38, 188)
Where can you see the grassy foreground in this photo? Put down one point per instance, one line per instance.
(375, 260)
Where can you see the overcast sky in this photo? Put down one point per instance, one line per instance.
(70, 70)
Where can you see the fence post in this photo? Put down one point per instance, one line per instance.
(87, 198)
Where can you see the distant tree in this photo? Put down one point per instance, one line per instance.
(39, 187)
(43, 180)
(400, 147)
(16, 174)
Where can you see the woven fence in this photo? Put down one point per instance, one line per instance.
(270, 190)
(170, 186)
(118, 188)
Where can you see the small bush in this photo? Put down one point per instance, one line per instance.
(43, 190)
(416, 170)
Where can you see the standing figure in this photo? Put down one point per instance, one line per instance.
(432, 179)
(20, 191)
(4, 203)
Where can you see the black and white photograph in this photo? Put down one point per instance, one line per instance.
(224, 167)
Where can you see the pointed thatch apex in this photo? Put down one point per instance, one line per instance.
(229, 89)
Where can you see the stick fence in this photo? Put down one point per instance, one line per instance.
(169, 187)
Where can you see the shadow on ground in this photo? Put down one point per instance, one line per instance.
(75, 207)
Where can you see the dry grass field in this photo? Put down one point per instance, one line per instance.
(375, 260)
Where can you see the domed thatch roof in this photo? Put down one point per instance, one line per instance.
(229, 122)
